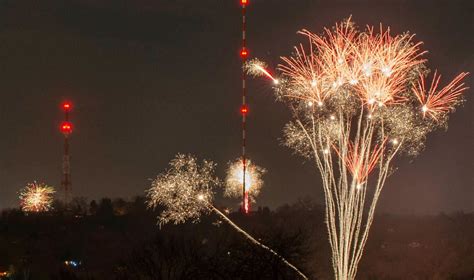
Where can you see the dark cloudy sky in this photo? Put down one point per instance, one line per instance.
(151, 78)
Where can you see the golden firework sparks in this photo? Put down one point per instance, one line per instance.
(182, 189)
(36, 197)
(234, 179)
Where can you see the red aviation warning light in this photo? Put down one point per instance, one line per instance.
(66, 106)
(244, 53)
(66, 128)
(243, 2)
(244, 110)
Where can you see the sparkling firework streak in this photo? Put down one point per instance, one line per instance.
(436, 102)
(257, 68)
(369, 87)
(36, 197)
(253, 179)
(360, 161)
(186, 191)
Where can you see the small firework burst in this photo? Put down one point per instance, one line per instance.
(253, 179)
(36, 197)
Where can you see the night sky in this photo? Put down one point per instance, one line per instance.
(151, 78)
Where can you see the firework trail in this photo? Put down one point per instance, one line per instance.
(254, 241)
(372, 104)
(257, 68)
(36, 197)
(186, 191)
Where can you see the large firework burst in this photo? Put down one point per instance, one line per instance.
(358, 98)
(36, 197)
(186, 191)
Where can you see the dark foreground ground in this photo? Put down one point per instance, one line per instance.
(120, 240)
